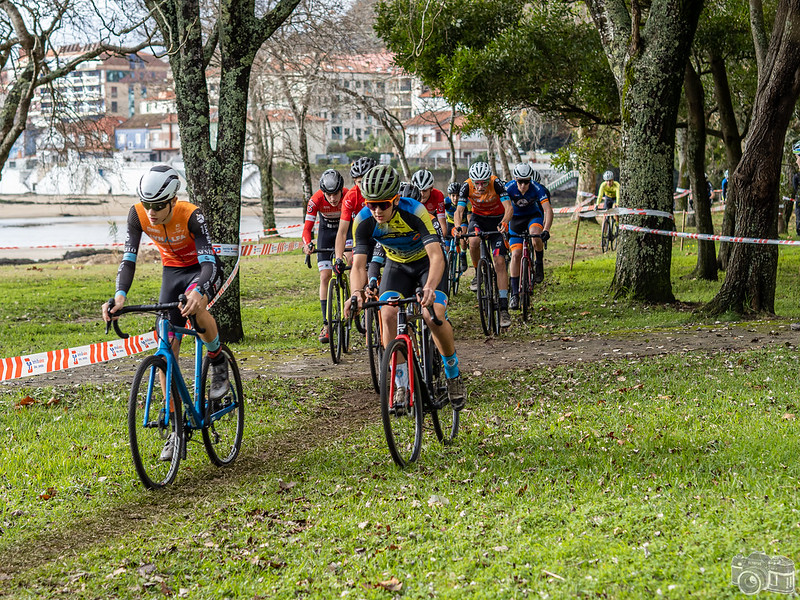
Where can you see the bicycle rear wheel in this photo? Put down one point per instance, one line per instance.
(223, 418)
(334, 321)
(495, 304)
(401, 424)
(445, 419)
(525, 286)
(605, 241)
(374, 347)
(485, 297)
(149, 427)
(613, 234)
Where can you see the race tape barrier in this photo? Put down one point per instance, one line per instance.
(590, 211)
(69, 358)
(710, 237)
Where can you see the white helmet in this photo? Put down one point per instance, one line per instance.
(523, 171)
(480, 171)
(159, 184)
(423, 179)
(608, 175)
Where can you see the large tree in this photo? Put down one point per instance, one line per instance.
(749, 284)
(214, 171)
(647, 48)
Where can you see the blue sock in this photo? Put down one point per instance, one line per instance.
(451, 366)
(213, 345)
(504, 294)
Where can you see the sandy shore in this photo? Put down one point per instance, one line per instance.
(22, 207)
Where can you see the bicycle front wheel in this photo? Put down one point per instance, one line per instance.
(374, 347)
(605, 241)
(152, 426)
(402, 422)
(525, 286)
(445, 419)
(223, 419)
(346, 324)
(485, 299)
(452, 273)
(334, 321)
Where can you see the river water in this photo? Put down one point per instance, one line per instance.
(19, 237)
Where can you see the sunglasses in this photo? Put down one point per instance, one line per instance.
(379, 205)
(156, 206)
(523, 181)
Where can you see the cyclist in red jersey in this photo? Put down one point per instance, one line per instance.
(325, 204)
(431, 198)
(179, 231)
(352, 203)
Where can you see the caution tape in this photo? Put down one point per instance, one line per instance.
(70, 358)
(590, 211)
(710, 237)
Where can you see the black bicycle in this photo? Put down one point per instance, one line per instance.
(526, 274)
(427, 384)
(488, 294)
(338, 326)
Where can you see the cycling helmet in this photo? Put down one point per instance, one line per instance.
(453, 188)
(423, 179)
(409, 190)
(480, 171)
(159, 184)
(380, 183)
(523, 171)
(796, 147)
(536, 176)
(608, 175)
(361, 166)
(725, 174)
(331, 181)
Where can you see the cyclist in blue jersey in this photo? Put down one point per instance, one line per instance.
(414, 258)
(450, 206)
(532, 212)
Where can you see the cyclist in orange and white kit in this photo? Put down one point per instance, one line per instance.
(325, 204)
(179, 230)
(491, 211)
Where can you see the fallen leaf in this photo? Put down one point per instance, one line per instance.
(26, 401)
(500, 548)
(53, 401)
(392, 584)
(146, 570)
(49, 493)
(284, 486)
(788, 416)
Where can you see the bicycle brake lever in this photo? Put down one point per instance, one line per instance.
(183, 299)
(434, 318)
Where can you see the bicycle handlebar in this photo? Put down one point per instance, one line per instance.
(397, 301)
(316, 251)
(140, 308)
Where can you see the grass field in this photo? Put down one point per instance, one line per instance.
(623, 478)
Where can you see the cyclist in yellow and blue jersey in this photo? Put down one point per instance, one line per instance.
(414, 258)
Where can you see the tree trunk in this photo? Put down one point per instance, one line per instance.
(452, 144)
(733, 148)
(215, 175)
(749, 284)
(512, 145)
(490, 157)
(587, 177)
(648, 62)
(696, 157)
(501, 152)
(265, 146)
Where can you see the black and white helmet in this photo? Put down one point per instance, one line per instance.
(423, 179)
(608, 175)
(159, 184)
(409, 190)
(536, 176)
(523, 171)
(380, 183)
(453, 188)
(361, 165)
(480, 171)
(331, 181)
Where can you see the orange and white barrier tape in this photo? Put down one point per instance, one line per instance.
(710, 237)
(69, 358)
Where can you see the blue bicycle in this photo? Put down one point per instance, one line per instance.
(160, 404)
